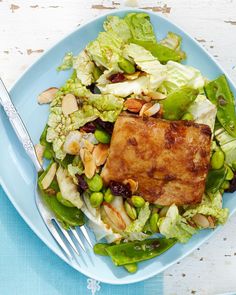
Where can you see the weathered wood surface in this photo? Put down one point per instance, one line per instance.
(28, 28)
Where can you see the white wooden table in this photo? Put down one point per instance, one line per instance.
(28, 28)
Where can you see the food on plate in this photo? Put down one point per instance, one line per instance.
(184, 145)
(137, 145)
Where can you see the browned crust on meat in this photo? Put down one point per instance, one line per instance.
(169, 159)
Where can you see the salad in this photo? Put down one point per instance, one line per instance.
(137, 145)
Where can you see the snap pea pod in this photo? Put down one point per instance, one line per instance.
(131, 267)
(215, 179)
(219, 93)
(66, 215)
(161, 52)
(176, 103)
(137, 251)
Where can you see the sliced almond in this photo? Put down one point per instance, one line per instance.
(69, 104)
(156, 95)
(152, 110)
(132, 76)
(163, 211)
(144, 108)
(201, 220)
(133, 184)
(47, 96)
(100, 153)
(88, 145)
(89, 163)
(39, 149)
(211, 221)
(133, 105)
(48, 178)
(72, 143)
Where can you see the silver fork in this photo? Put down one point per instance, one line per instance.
(62, 236)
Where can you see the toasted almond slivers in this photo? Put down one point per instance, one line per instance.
(89, 163)
(156, 95)
(100, 153)
(211, 221)
(69, 104)
(201, 220)
(133, 185)
(133, 105)
(144, 108)
(132, 76)
(39, 149)
(88, 145)
(47, 96)
(152, 110)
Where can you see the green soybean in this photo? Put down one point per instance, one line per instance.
(153, 222)
(108, 196)
(229, 175)
(217, 159)
(187, 117)
(131, 267)
(102, 136)
(64, 201)
(130, 210)
(47, 154)
(95, 183)
(96, 199)
(137, 201)
(126, 66)
(225, 185)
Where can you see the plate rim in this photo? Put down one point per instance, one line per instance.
(128, 279)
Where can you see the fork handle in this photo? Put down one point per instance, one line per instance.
(18, 125)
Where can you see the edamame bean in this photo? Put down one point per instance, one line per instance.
(126, 66)
(131, 267)
(102, 136)
(187, 117)
(95, 183)
(137, 201)
(217, 159)
(230, 174)
(108, 196)
(225, 185)
(153, 222)
(130, 210)
(96, 199)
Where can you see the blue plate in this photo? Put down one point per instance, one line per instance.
(17, 172)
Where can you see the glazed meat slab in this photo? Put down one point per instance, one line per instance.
(168, 159)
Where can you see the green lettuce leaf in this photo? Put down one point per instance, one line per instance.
(203, 111)
(119, 26)
(84, 68)
(172, 41)
(210, 205)
(106, 50)
(93, 106)
(175, 226)
(67, 62)
(227, 144)
(147, 63)
(140, 27)
(179, 75)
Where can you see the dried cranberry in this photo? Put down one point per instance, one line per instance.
(120, 189)
(107, 126)
(88, 127)
(115, 78)
(232, 187)
(82, 184)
